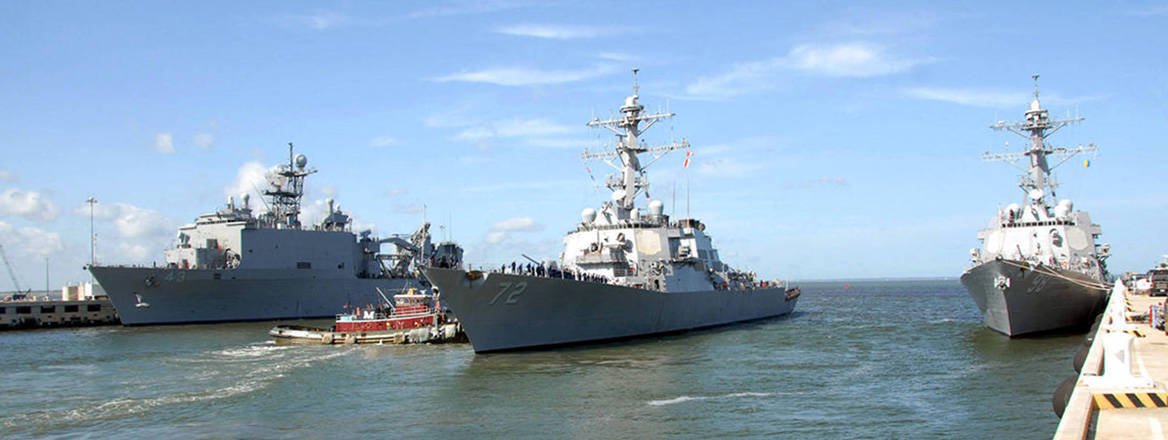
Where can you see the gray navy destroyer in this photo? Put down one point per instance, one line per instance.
(1039, 267)
(625, 271)
(233, 265)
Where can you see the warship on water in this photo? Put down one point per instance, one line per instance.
(1039, 267)
(232, 265)
(625, 271)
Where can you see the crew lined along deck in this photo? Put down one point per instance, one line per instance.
(541, 270)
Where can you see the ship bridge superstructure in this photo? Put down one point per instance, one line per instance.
(234, 237)
(1043, 229)
(643, 247)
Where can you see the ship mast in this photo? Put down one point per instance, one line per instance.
(1037, 182)
(631, 177)
(287, 189)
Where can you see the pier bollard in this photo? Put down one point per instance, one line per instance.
(1117, 349)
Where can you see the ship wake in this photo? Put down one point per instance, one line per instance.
(264, 364)
(684, 399)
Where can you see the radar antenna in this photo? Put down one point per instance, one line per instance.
(287, 189)
(1037, 183)
(628, 129)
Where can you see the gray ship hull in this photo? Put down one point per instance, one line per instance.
(177, 296)
(1034, 300)
(506, 312)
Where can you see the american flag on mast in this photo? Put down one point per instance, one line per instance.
(688, 154)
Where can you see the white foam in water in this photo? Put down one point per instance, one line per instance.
(684, 399)
(253, 380)
(251, 351)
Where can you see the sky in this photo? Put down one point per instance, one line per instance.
(835, 140)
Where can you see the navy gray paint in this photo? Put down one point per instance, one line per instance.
(1039, 267)
(657, 275)
(232, 265)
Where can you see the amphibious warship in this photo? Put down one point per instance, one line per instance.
(1039, 267)
(231, 265)
(625, 271)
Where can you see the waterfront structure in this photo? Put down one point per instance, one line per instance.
(625, 270)
(36, 313)
(1039, 267)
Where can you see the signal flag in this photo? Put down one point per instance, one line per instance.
(688, 154)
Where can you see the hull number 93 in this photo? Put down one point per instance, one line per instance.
(512, 292)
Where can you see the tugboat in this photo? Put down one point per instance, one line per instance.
(1039, 267)
(411, 318)
(625, 271)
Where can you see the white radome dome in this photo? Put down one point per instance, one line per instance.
(656, 208)
(588, 215)
(1065, 208)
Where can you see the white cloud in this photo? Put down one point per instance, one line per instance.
(140, 234)
(495, 237)
(204, 140)
(992, 98)
(522, 76)
(854, 60)
(30, 241)
(28, 204)
(557, 31)
(526, 224)
(382, 141)
(513, 128)
(136, 252)
(500, 231)
(164, 143)
(313, 212)
(395, 192)
(850, 60)
(617, 56)
(131, 221)
(468, 7)
(360, 226)
(320, 20)
(740, 79)
(970, 97)
(250, 179)
(8, 176)
(409, 209)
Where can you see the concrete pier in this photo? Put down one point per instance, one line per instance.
(1122, 389)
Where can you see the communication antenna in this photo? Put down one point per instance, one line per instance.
(92, 236)
(687, 197)
(673, 205)
(630, 178)
(1037, 182)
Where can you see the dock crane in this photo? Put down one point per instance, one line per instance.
(12, 273)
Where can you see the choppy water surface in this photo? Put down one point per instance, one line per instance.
(877, 360)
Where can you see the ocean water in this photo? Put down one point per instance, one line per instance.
(895, 359)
